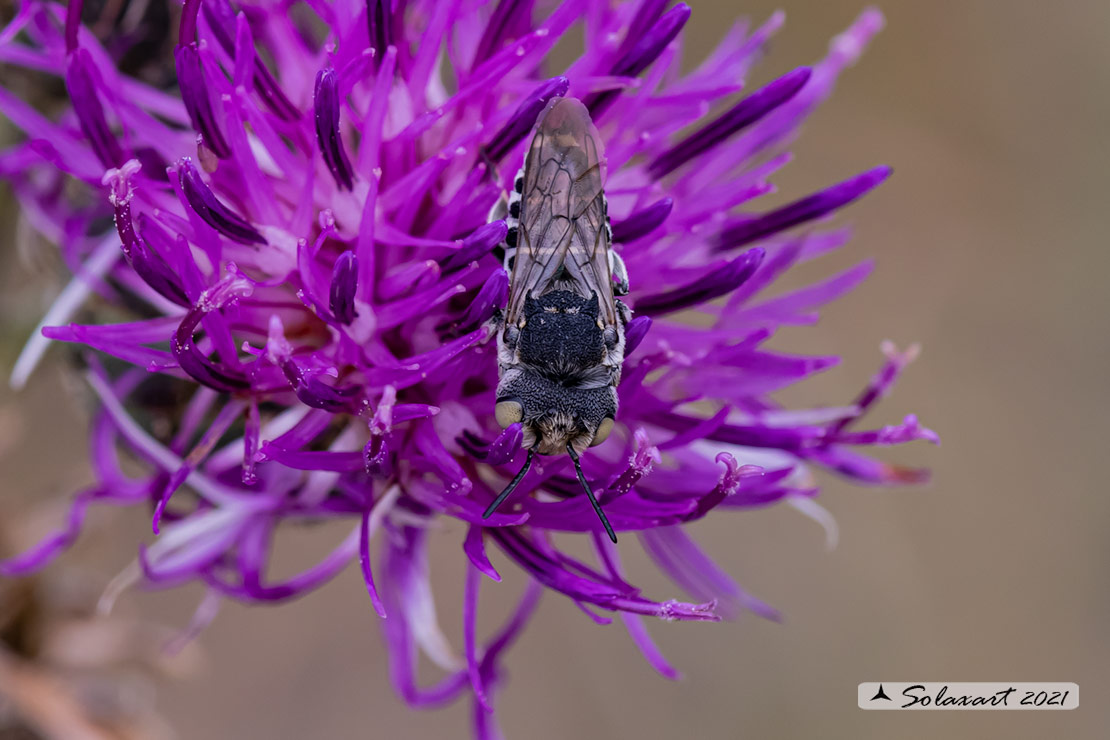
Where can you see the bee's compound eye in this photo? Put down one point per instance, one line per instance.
(603, 430)
(508, 412)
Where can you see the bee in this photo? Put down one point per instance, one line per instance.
(560, 339)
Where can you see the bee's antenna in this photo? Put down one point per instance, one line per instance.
(511, 487)
(590, 493)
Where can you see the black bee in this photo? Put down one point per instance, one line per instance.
(560, 340)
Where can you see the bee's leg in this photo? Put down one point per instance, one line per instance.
(619, 273)
(493, 172)
(624, 312)
(494, 325)
(512, 219)
(499, 211)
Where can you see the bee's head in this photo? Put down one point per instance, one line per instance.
(550, 430)
(556, 430)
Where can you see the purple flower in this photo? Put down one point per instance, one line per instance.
(301, 234)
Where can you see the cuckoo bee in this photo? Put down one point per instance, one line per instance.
(560, 338)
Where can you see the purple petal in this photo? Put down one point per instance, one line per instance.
(475, 246)
(379, 20)
(205, 371)
(471, 585)
(224, 419)
(144, 260)
(716, 282)
(635, 332)
(344, 284)
(205, 203)
(41, 554)
(642, 222)
(504, 448)
(508, 16)
(221, 18)
(73, 24)
(494, 293)
(326, 105)
(679, 556)
(866, 470)
(634, 623)
(376, 457)
(81, 76)
(194, 93)
(909, 430)
(801, 211)
(364, 561)
(639, 57)
(524, 118)
(883, 381)
(475, 548)
(740, 116)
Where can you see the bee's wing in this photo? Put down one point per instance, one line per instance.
(563, 228)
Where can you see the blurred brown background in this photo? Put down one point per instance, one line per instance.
(991, 248)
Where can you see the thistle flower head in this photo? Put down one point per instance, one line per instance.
(301, 232)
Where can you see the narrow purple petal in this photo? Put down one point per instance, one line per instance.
(208, 372)
(494, 293)
(251, 442)
(530, 555)
(801, 211)
(144, 260)
(81, 76)
(676, 553)
(634, 623)
(379, 20)
(740, 116)
(715, 283)
(344, 284)
(910, 430)
(639, 57)
(194, 93)
(339, 462)
(610, 557)
(319, 395)
(881, 384)
(863, 469)
(646, 16)
(364, 562)
(651, 45)
(253, 549)
(43, 552)
(524, 118)
(475, 548)
(73, 23)
(504, 448)
(499, 29)
(326, 105)
(403, 574)
(217, 215)
(187, 32)
(642, 222)
(376, 457)
(221, 19)
(476, 245)
(471, 585)
(635, 332)
(224, 419)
